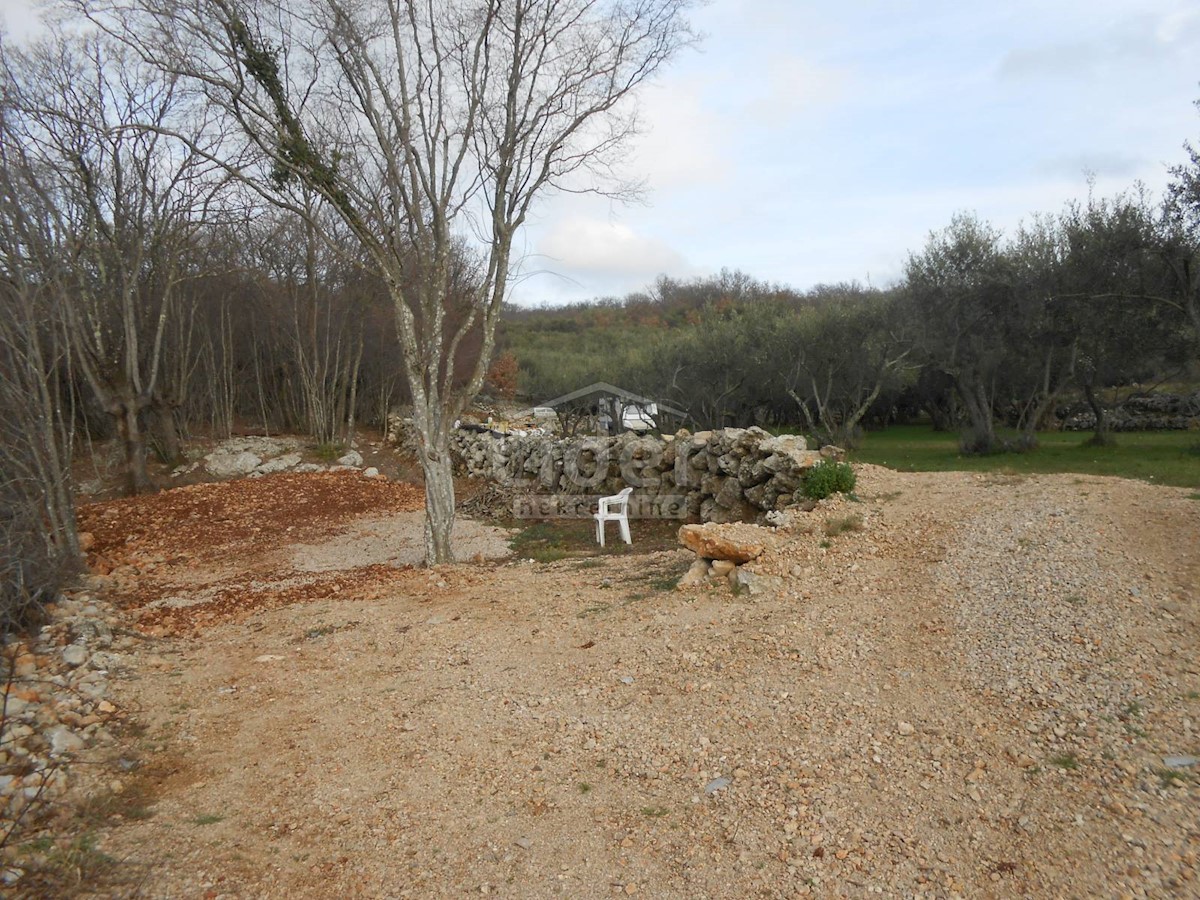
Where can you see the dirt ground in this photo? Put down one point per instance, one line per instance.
(959, 685)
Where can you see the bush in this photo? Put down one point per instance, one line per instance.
(828, 477)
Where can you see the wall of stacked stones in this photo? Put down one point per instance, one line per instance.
(729, 475)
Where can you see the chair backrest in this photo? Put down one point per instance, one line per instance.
(617, 502)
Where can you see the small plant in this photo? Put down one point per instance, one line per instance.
(1076, 600)
(654, 812)
(1170, 777)
(828, 477)
(329, 452)
(1131, 710)
(825, 545)
(841, 524)
(79, 862)
(1067, 761)
(585, 787)
(207, 820)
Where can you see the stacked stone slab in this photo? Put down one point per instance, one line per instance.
(1156, 412)
(729, 475)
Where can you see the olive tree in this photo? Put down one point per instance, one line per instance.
(423, 125)
(959, 292)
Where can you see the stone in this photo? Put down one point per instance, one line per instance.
(695, 575)
(13, 706)
(784, 444)
(721, 567)
(279, 464)
(351, 458)
(370, 472)
(64, 740)
(757, 585)
(87, 541)
(1180, 762)
(228, 464)
(75, 655)
(717, 784)
(713, 542)
(905, 728)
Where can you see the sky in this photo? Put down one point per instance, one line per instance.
(808, 142)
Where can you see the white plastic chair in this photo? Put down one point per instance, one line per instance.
(614, 509)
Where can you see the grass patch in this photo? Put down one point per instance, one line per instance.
(1161, 457)
(1067, 761)
(654, 812)
(329, 452)
(585, 787)
(841, 524)
(1170, 777)
(552, 540)
(207, 820)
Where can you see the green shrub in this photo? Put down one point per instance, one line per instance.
(828, 477)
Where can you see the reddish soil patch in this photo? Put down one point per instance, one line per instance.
(217, 544)
(203, 522)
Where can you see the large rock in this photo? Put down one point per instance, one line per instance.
(227, 464)
(711, 541)
(279, 464)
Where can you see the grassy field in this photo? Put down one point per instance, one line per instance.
(1162, 457)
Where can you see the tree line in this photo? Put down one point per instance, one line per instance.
(982, 329)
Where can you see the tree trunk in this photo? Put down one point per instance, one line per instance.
(980, 436)
(166, 434)
(137, 477)
(439, 498)
(1100, 435)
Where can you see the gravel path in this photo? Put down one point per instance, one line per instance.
(969, 691)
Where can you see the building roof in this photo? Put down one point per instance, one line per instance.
(603, 387)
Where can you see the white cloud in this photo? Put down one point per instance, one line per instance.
(582, 246)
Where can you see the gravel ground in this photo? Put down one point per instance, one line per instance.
(962, 685)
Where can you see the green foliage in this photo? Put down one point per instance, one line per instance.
(329, 452)
(828, 477)
(297, 155)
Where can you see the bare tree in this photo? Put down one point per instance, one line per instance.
(38, 539)
(424, 125)
(123, 202)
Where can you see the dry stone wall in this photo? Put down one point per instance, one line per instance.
(729, 475)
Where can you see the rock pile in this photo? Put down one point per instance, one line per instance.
(722, 551)
(253, 457)
(729, 475)
(1156, 412)
(54, 706)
